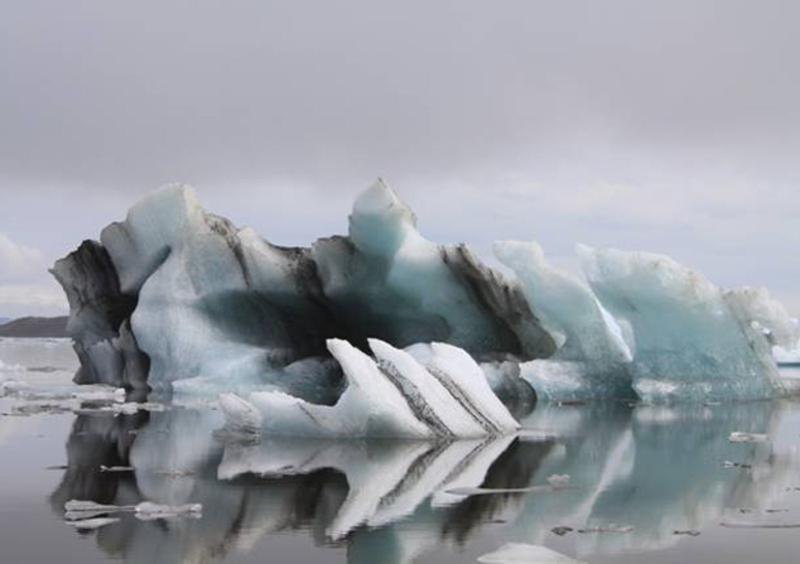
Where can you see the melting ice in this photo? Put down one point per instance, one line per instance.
(384, 333)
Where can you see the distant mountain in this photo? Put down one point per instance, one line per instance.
(4, 320)
(35, 327)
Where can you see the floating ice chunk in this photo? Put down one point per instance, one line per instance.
(558, 479)
(99, 394)
(11, 387)
(395, 397)
(116, 469)
(739, 437)
(215, 301)
(692, 341)
(148, 511)
(91, 506)
(518, 553)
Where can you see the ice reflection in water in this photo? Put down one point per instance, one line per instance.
(656, 469)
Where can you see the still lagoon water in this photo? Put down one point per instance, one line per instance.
(597, 483)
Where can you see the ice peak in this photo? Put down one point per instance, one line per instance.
(381, 200)
(380, 220)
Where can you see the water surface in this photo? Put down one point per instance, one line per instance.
(641, 473)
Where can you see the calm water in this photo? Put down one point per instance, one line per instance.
(653, 470)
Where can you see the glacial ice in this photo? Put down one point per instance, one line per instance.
(688, 338)
(440, 392)
(592, 359)
(207, 297)
(181, 301)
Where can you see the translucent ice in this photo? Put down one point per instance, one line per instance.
(179, 300)
(212, 299)
(689, 339)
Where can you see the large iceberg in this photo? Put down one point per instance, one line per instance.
(382, 332)
(204, 297)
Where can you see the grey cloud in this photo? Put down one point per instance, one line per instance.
(146, 93)
(669, 126)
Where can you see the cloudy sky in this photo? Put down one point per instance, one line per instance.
(664, 126)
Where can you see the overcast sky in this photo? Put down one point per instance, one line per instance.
(665, 126)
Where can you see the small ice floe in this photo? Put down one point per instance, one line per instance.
(92, 524)
(133, 407)
(518, 553)
(688, 533)
(729, 464)
(607, 529)
(739, 437)
(104, 468)
(12, 387)
(148, 511)
(98, 394)
(497, 491)
(558, 479)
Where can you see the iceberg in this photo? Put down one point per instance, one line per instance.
(383, 333)
(199, 297)
(438, 391)
(592, 358)
(688, 338)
